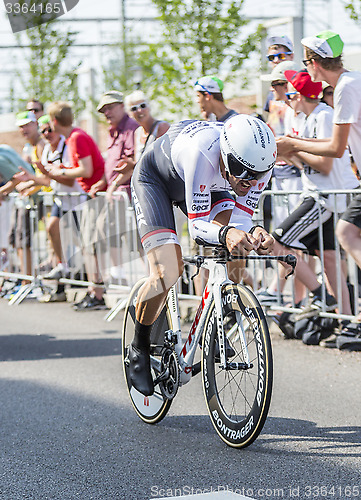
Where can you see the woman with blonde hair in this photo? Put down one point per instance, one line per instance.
(150, 128)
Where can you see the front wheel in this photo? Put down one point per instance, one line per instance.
(151, 409)
(238, 396)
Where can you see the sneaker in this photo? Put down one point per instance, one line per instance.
(317, 302)
(330, 343)
(267, 298)
(13, 291)
(8, 286)
(60, 271)
(90, 303)
(53, 297)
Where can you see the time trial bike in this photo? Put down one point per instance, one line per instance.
(230, 329)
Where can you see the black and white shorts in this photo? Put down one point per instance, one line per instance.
(300, 230)
(156, 188)
(353, 211)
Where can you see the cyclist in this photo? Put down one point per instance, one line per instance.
(193, 166)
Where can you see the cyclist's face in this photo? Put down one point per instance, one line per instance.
(239, 186)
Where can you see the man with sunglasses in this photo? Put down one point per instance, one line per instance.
(279, 49)
(193, 166)
(119, 163)
(36, 107)
(283, 120)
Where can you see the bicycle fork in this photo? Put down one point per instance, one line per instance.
(220, 279)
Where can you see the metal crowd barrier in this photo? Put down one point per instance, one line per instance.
(105, 234)
(262, 275)
(90, 229)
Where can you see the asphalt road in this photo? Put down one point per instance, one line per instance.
(68, 430)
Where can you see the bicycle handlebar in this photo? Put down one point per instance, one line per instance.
(223, 255)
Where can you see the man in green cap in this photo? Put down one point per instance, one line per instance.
(209, 96)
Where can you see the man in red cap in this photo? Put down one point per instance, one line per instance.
(301, 228)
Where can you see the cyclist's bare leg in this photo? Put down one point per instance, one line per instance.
(166, 266)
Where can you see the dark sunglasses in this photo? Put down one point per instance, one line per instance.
(278, 84)
(142, 105)
(237, 169)
(281, 56)
(307, 61)
(47, 130)
(290, 95)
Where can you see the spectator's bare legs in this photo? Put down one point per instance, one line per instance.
(93, 273)
(54, 234)
(330, 270)
(25, 262)
(349, 237)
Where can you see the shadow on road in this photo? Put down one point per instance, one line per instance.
(19, 347)
(57, 443)
(286, 431)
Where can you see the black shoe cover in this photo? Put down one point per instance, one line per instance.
(139, 370)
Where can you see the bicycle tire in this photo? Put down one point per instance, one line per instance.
(151, 409)
(238, 400)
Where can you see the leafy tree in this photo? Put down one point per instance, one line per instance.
(49, 76)
(354, 9)
(199, 37)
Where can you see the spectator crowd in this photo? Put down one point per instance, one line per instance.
(315, 114)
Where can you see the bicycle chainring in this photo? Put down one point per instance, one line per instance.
(169, 364)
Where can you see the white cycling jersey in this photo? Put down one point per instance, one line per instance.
(185, 162)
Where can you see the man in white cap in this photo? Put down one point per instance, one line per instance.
(209, 96)
(28, 124)
(283, 120)
(280, 48)
(323, 59)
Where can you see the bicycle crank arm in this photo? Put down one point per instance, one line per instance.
(238, 366)
(162, 376)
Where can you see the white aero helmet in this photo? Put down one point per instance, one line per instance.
(248, 147)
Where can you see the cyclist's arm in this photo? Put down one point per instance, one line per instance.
(198, 180)
(245, 206)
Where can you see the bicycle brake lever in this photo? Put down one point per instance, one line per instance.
(291, 260)
(198, 263)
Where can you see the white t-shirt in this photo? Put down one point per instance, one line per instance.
(319, 125)
(60, 155)
(347, 105)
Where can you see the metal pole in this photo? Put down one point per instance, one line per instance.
(124, 36)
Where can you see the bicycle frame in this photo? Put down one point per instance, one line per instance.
(217, 278)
